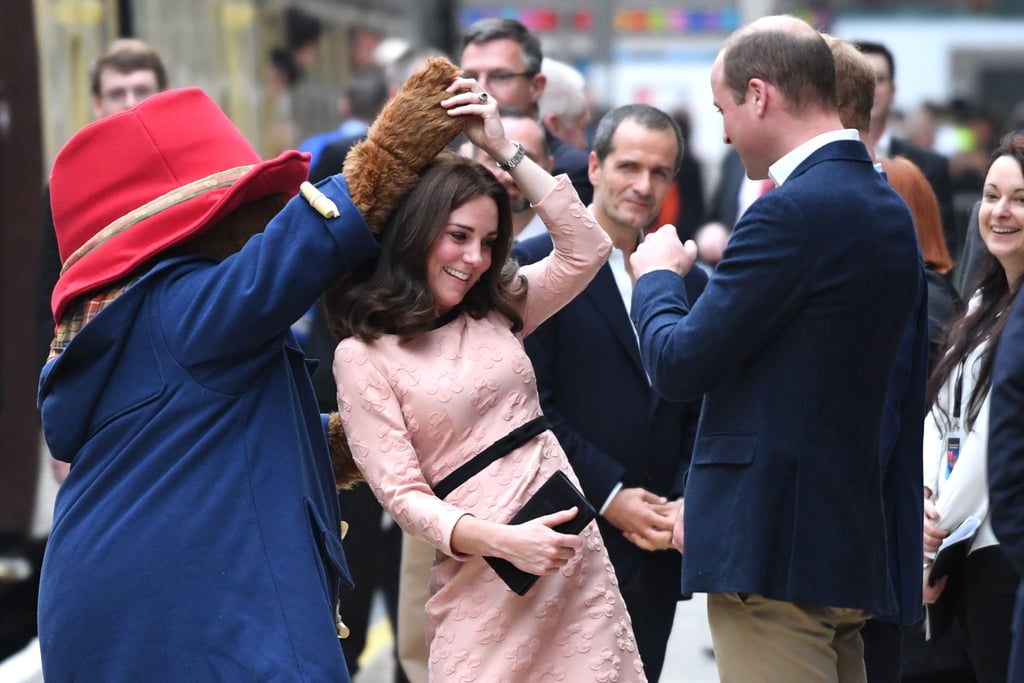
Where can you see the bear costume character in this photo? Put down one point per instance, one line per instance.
(197, 535)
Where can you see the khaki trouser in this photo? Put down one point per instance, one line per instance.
(758, 639)
(417, 559)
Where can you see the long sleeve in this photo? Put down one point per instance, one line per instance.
(382, 447)
(581, 247)
(964, 493)
(257, 293)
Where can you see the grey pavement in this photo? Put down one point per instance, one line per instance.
(688, 659)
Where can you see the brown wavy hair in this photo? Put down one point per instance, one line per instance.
(911, 184)
(390, 295)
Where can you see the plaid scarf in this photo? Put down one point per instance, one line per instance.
(79, 315)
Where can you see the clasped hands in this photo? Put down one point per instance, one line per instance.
(646, 519)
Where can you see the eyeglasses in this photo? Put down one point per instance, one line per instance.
(120, 95)
(498, 78)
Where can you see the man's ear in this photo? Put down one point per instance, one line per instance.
(537, 85)
(551, 123)
(593, 168)
(758, 93)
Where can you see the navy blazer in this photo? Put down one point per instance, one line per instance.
(200, 519)
(612, 425)
(1006, 463)
(901, 453)
(792, 344)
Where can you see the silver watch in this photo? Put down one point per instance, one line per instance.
(516, 158)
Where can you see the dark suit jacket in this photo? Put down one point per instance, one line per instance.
(792, 343)
(573, 162)
(936, 169)
(1006, 462)
(902, 477)
(612, 425)
(724, 204)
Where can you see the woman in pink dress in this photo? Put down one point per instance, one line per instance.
(431, 371)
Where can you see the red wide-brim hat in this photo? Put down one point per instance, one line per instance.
(129, 186)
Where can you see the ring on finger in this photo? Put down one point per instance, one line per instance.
(482, 97)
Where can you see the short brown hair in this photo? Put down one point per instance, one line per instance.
(855, 84)
(125, 55)
(800, 64)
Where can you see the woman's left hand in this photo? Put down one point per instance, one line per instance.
(929, 594)
(484, 128)
(933, 533)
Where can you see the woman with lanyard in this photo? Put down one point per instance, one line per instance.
(979, 592)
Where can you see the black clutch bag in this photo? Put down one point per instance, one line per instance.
(557, 493)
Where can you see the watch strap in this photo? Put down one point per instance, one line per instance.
(516, 158)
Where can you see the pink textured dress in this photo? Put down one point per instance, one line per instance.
(414, 412)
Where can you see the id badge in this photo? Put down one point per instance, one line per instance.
(952, 452)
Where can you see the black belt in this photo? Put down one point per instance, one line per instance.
(511, 441)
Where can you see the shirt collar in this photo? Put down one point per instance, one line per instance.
(784, 167)
(883, 147)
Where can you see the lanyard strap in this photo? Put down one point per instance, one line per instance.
(957, 391)
(953, 438)
(506, 444)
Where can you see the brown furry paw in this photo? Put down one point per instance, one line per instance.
(410, 131)
(346, 474)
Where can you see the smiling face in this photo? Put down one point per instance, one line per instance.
(1001, 215)
(631, 182)
(461, 253)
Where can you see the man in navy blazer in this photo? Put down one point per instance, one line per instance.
(792, 344)
(1006, 464)
(630, 448)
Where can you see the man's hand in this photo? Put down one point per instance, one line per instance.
(644, 518)
(661, 250)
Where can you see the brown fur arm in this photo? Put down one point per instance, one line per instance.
(410, 131)
(346, 474)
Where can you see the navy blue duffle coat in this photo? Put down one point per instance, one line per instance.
(197, 537)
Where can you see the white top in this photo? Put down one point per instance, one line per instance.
(964, 493)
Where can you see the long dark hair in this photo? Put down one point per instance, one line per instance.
(985, 321)
(391, 296)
